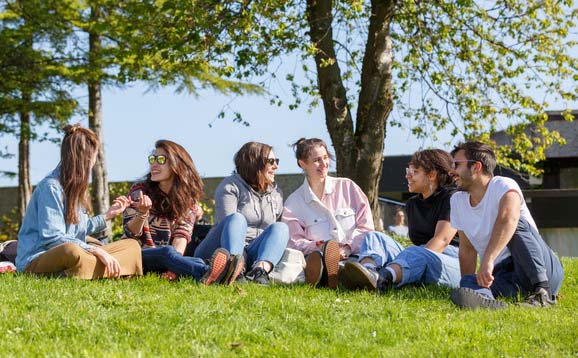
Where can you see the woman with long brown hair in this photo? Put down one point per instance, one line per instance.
(162, 216)
(248, 205)
(52, 238)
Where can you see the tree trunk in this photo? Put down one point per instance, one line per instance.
(359, 155)
(100, 195)
(375, 102)
(333, 93)
(24, 187)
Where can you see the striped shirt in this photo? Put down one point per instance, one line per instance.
(157, 230)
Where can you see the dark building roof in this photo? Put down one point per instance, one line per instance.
(568, 130)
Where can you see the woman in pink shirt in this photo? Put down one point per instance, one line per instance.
(327, 217)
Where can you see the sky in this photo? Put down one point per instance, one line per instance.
(133, 119)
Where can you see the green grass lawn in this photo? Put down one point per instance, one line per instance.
(151, 317)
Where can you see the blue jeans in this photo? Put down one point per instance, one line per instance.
(165, 258)
(418, 264)
(531, 262)
(230, 234)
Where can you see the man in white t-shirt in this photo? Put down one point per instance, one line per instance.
(494, 224)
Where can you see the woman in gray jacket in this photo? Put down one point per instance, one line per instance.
(248, 205)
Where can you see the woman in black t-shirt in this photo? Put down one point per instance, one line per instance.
(434, 258)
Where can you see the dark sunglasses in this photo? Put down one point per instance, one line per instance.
(161, 159)
(456, 162)
(272, 161)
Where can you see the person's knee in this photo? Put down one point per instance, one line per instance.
(132, 245)
(72, 255)
(236, 219)
(280, 228)
(70, 250)
(376, 238)
(415, 250)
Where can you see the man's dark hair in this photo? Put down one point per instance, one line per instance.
(478, 152)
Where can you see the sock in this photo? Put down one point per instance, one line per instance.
(543, 284)
(369, 266)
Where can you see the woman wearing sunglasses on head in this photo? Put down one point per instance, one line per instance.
(434, 258)
(52, 238)
(327, 216)
(163, 213)
(247, 207)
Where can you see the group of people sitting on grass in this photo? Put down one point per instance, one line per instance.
(460, 212)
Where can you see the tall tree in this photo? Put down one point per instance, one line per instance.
(465, 65)
(119, 42)
(32, 91)
(100, 194)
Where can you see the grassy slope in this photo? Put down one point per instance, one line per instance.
(152, 317)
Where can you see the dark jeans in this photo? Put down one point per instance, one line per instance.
(166, 258)
(531, 261)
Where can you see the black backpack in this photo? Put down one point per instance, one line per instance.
(8, 250)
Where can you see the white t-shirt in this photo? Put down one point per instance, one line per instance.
(477, 222)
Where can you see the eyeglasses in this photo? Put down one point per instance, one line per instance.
(455, 162)
(161, 159)
(272, 161)
(409, 172)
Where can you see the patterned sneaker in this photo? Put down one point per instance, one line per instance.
(259, 276)
(217, 267)
(540, 299)
(314, 268)
(355, 276)
(331, 258)
(469, 299)
(234, 269)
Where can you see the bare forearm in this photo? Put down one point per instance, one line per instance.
(501, 235)
(180, 244)
(504, 226)
(135, 225)
(443, 235)
(437, 245)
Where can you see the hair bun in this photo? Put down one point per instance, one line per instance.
(71, 128)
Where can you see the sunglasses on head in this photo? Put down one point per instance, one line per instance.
(161, 159)
(272, 161)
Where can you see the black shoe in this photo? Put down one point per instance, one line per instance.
(541, 298)
(259, 276)
(355, 276)
(469, 299)
(241, 279)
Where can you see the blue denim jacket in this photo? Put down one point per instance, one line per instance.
(43, 226)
